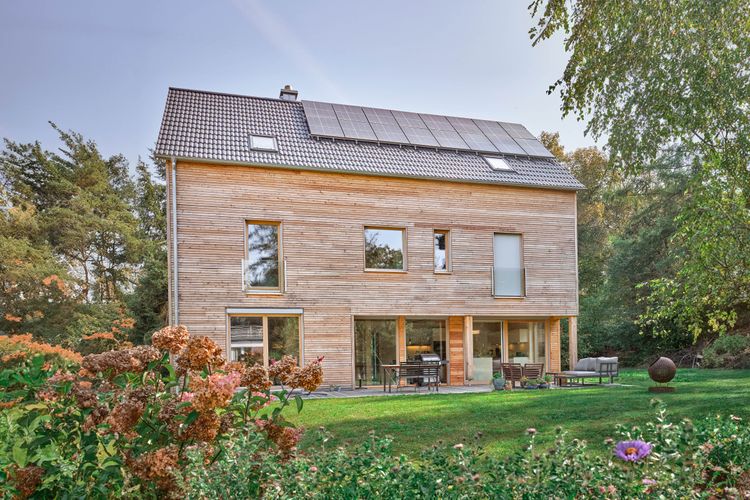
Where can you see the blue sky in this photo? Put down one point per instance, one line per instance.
(103, 68)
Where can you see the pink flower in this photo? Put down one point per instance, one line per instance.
(458, 446)
(531, 431)
(313, 469)
(187, 397)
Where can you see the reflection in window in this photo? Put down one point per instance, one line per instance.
(262, 265)
(249, 335)
(526, 342)
(283, 337)
(374, 346)
(441, 244)
(246, 333)
(487, 339)
(384, 248)
(426, 336)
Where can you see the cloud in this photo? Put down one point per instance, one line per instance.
(279, 35)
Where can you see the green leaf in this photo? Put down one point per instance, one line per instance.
(20, 455)
(298, 399)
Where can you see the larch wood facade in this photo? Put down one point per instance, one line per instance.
(322, 217)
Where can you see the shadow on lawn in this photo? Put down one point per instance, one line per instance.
(416, 422)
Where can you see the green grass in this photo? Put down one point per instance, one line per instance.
(416, 422)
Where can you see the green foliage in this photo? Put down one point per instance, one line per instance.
(79, 239)
(729, 351)
(711, 249)
(651, 74)
(687, 460)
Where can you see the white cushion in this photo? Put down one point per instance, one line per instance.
(586, 365)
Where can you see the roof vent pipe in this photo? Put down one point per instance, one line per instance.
(288, 93)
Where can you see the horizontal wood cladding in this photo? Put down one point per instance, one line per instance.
(322, 217)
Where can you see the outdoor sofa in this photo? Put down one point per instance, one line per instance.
(588, 368)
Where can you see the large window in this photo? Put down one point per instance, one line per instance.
(508, 275)
(385, 249)
(262, 266)
(441, 241)
(426, 336)
(374, 346)
(262, 338)
(526, 342)
(487, 342)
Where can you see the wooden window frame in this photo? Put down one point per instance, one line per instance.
(266, 290)
(404, 249)
(448, 251)
(522, 263)
(264, 319)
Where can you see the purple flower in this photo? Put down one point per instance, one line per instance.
(632, 451)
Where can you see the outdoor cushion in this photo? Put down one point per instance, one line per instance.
(586, 365)
(581, 374)
(599, 361)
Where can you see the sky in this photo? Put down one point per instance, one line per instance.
(103, 68)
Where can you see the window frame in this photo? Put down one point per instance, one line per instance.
(522, 264)
(404, 249)
(264, 317)
(273, 290)
(448, 251)
(506, 168)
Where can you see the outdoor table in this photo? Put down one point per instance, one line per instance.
(388, 371)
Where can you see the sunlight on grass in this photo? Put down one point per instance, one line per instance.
(502, 417)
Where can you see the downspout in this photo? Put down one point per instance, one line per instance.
(173, 194)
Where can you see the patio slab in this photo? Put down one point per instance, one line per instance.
(406, 391)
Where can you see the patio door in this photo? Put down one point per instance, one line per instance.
(527, 342)
(374, 346)
(487, 340)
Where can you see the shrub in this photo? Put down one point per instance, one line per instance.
(728, 351)
(669, 460)
(125, 422)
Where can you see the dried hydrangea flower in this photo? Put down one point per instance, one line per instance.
(308, 378)
(200, 353)
(26, 479)
(113, 363)
(215, 391)
(157, 467)
(256, 379)
(282, 369)
(171, 338)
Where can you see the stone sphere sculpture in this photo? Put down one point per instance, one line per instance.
(662, 370)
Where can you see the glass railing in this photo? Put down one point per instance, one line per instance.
(508, 282)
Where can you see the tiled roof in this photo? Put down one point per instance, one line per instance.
(215, 127)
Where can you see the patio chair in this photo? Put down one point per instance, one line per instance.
(512, 372)
(533, 370)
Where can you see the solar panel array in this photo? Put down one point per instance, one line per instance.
(358, 123)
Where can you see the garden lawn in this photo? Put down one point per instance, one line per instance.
(416, 422)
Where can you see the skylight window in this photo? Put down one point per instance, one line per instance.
(497, 163)
(263, 143)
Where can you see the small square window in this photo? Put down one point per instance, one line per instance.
(263, 143)
(497, 163)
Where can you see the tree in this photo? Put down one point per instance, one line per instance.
(650, 74)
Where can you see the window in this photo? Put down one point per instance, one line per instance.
(374, 346)
(526, 342)
(497, 163)
(262, 269)
(427, 336)
(263, 143)
(384, 249)
(441, 244)
(508, 275)
(263, 338)
(487, 347)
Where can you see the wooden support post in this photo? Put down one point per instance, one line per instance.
(572, 341)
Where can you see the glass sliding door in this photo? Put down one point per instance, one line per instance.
(527, 342)
(426, 336)
(487, 339)
(246, 334)
(374, 345)
(283, 337)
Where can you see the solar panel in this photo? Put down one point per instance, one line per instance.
(420, 136)
(449, 139)
(322, 119)
(533, 147)
(499, 137)
(416, 129)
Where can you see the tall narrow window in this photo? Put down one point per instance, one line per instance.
(508, 273)
(384, 249)
(375, 345)
(441, 244)
(262, 269)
